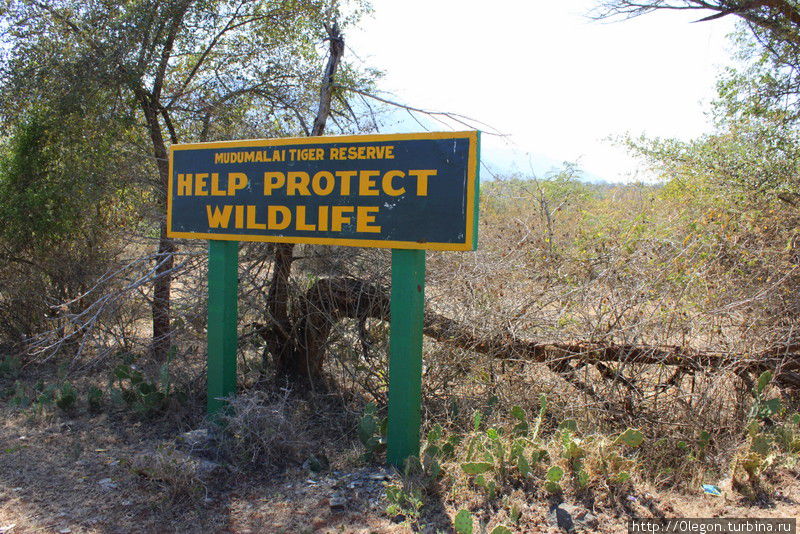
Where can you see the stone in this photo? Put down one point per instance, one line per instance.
(107, 483)
(570, 518)
(338, 503)
(198, 439)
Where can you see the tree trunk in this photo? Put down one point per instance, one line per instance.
(165, 260)
(292, 358)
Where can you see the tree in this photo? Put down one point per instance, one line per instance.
(184, 69)
(779, 16)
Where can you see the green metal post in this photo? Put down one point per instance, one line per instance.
(223, 282)
(405, 354)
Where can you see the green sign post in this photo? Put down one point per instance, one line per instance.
(407, 192)
(405, 354)
(223, 305)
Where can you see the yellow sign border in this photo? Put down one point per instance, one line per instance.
(472, 176)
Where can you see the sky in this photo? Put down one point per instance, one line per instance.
(556, 84)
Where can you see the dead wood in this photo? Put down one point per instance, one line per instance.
(330, 300)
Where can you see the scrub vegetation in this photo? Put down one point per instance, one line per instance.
(610, 351)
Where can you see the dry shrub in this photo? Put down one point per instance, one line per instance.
(265, 430)
(180, 475)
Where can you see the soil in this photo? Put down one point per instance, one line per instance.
(75, 473)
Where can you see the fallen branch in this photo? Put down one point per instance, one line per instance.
(331, 300)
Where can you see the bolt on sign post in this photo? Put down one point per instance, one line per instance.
(407, 192)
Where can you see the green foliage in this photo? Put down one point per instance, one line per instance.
(145, 397)
(554, 474)
(764, 408)
(66, 396)
(476, 468)
(463, 522)
(540, 417)
(631, 438)
(372, 432)
(94, 399)
(404, 501)
(9, 366)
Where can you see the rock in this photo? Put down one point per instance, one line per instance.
(570, 517)
(207, 468)
(317, 463)
(338, 503)
(107, 483)
(199, 439)
(6, 529)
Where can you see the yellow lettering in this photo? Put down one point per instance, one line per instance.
(219, 157)
(338, 218)
(301, 224)
(316, 183)
(251, 220)
(219, 218)
(371, 152)
(236, 181)
(184, 184)
(273, 180)
(422, 180)
(365, 215)
(297, 182)
(272, 217)
(239, 216)
(200, 184)
(366, 183)
(388, 186)
(322, 220)
(345, 177)
(215, 190)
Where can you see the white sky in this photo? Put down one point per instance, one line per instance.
(540, 71)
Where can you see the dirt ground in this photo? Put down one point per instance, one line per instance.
(78, 475)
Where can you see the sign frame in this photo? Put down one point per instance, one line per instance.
(472, 190)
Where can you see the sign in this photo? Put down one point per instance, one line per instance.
(406, 191)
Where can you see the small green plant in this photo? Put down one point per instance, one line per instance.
(540, 417)
(614, 466)
(404, 500)
(130, 387)
(372, 432)
(515, 513)
(574, 452)
(66, 396)
(553, 479)
(764, 408)
(94, 399)
(9, 366)
(20, 398)
(463, 522)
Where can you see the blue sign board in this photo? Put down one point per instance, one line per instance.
(412, 191)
